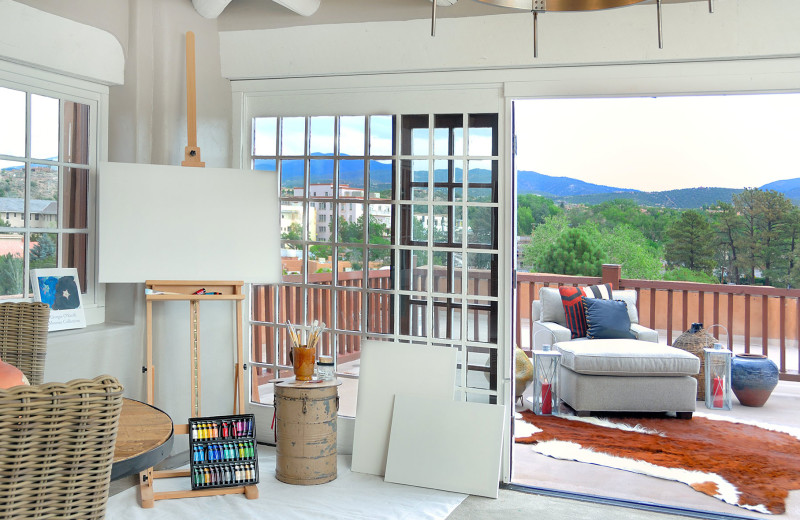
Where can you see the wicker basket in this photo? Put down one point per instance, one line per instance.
(57, 445)
(23, 337)
(694, 341)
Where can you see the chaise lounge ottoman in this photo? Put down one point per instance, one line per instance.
(626, 375)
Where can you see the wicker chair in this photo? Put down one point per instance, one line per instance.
(23, 337)
(57, 448)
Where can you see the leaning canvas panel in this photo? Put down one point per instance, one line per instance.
(159, 222)
(447, 445)
(388, 368)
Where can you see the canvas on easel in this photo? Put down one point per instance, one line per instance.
(60, 288)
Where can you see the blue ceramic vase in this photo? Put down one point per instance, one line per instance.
(753, 377)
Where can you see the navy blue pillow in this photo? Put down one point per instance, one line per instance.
(607, 319)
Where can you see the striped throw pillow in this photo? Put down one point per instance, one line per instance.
(573, 305)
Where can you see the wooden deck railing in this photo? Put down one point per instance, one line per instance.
(757, 319)
(764, 320)
(348, 309)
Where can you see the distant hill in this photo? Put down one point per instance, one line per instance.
(533, 182)
(687, 198)
(564, 189)
(789, 187)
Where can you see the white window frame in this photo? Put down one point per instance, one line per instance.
(45, 83)
(343, 96)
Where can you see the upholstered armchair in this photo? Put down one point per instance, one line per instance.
(547, 314)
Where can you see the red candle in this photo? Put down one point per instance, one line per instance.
(547, 399)
(717, 392)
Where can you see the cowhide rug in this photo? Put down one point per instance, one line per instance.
(748, 465)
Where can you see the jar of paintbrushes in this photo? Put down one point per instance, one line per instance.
(303, 353)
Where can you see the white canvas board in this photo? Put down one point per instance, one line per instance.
(388, 368)
(159, 222)
(60, 288)
(447, 445)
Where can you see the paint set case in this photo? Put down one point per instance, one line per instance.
(223, 451)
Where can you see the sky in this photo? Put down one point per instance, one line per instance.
(662, 143)
(44, 126)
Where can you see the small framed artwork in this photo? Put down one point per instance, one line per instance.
(59, 288)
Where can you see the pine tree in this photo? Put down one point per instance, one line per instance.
(573, 253)
(691, 242)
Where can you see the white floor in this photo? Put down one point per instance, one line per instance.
(351, 495)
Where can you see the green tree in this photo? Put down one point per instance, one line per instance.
(629, 247)
(295, 232)
(793, 238)
(773, 212)
(44, 247)
(319, 251)
(746, 205)
(11, 274)
(691, 243)
(573, 253)
(533, 210)
(683, 274)
(351, 232)
(544, 235)
(727, 226)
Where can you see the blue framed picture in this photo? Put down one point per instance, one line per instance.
(61, 290)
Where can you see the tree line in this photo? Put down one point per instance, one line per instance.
(753, 240)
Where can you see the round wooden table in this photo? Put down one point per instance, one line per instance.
(144, 438)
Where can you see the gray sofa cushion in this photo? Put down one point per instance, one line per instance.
(629, 297)
(626, 357)
(552, 309)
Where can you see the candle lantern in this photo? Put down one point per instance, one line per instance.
(545, 381)
(718, 377)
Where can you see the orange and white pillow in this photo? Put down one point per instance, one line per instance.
(11, 376)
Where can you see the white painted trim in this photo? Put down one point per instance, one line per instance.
(49, 42)
(738, 29)
(50, 84)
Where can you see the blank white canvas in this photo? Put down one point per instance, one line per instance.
(159, 222)
(388, 368)
(446, 445)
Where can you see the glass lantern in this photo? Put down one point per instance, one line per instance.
(718, 377)
(545, 381)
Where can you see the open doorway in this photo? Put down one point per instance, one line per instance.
(629, 174)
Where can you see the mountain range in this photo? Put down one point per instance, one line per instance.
(574, 191)
(566, 189)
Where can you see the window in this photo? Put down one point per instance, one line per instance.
(433, 219)
(45, 163)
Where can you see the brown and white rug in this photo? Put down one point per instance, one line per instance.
(750, 465)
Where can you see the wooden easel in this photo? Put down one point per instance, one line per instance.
(184, 291)
(192, 151)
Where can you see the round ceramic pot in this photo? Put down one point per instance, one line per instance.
(753, 377)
